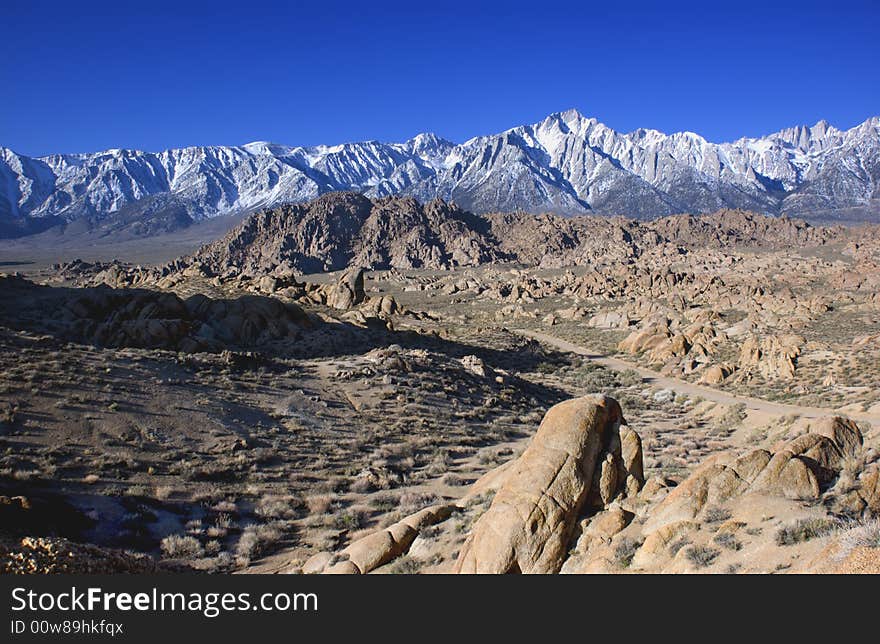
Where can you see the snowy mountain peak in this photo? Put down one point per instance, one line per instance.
(428, 142)
(565, 163)
(571, 117)
(266, 148)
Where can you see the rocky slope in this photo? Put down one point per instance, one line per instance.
(341, 229)
(567, 163)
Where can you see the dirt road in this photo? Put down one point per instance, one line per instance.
(680, 386)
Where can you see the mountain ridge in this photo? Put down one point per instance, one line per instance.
(565, 164)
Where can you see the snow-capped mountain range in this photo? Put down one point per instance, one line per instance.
(567, 163)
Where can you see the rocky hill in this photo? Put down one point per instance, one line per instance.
(340, 229)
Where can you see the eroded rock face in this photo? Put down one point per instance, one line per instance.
(773, 357)
(715, 374)
(810, 478)
(798, 469)
(583, 453)
(376, 549)
(342, 229)
(348, 290)
(869, 490)
(843, 432)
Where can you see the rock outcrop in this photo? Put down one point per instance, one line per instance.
(159, 320)
(799, 469)
(583, 455)
(377, 549)
(576, 501)
(348, 291)
(773, 357)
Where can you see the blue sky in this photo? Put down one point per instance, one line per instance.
(84, 76)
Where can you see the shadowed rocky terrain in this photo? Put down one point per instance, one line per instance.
(384, 386)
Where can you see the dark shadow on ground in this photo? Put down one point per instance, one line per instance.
(147, 319)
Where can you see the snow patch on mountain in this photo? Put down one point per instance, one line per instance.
(566, 163)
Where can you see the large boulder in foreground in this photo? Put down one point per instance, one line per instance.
(582, 455)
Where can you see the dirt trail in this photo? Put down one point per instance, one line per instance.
(690, 389)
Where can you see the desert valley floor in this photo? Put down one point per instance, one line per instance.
(264, 404)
